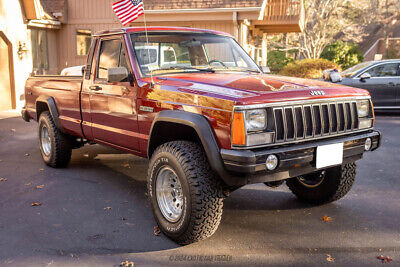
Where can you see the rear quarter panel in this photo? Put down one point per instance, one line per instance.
(66, 93)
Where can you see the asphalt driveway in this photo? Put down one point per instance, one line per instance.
(95, 213)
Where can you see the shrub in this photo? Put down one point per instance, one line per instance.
(277, 60)
(308, 68)
(344, 54)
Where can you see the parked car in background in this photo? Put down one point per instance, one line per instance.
(380, 78)
(73, 71)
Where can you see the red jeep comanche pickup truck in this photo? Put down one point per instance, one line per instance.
(209, 120)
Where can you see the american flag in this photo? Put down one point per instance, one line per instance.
(128, 10)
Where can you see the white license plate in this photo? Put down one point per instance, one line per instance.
(329, 155)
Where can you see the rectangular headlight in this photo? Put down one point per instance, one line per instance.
(363, 108)
(256, 120)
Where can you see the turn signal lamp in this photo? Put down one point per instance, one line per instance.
(238, 129)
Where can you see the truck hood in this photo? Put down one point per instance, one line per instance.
(247, 89)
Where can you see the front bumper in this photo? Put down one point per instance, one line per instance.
(25, 115)
(248, 166)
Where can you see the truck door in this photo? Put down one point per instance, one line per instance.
(113, 104)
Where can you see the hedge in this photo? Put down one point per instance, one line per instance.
(308, 68)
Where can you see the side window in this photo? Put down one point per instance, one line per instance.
(108, 57)
(122, 59)
(90, 60)
(384, 70)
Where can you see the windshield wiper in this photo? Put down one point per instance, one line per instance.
(210, 70)
(243, 70)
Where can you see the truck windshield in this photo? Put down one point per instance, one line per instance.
(168, 53)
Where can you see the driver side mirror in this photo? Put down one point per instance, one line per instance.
(365, 76)
(117, 74)
(265, 69)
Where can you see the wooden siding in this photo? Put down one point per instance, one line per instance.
(97, 15)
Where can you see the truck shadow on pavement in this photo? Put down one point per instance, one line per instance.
(98, 206)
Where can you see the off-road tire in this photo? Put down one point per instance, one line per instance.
(61, 144)
(202, 192)
(336, 184)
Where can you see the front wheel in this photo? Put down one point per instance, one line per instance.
(324, 186)
(184, 192)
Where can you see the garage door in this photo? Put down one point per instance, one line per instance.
(6, 93)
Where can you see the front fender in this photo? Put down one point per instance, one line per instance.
(205, 133)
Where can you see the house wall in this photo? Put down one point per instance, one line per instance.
(13, 27)
(379, 50)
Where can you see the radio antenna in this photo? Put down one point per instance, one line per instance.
(147, 43)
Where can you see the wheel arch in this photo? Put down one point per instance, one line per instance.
(192, 127)
(47, 103)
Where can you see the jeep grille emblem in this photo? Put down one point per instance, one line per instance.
(319, 92)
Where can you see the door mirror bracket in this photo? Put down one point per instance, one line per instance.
(119, 74)
(365, 76)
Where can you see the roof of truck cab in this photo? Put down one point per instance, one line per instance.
(158, 29)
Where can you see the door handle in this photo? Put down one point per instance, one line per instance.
(95, 88)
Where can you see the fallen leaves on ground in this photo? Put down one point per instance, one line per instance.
(156, 230)
(107, 208)
(384, 259)
(40, 186)
(330, 258)
(326, 218)
(3, 179)
(35, 204)
(28, 184)
(127, 264)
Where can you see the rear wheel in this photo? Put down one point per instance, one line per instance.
(185, 194)
(55, 146)
(324, 186)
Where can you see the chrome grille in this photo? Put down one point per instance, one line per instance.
(314, 120)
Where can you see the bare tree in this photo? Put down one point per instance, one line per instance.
(348, 20)
(323, 22)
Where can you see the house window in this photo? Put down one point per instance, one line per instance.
(83, 40)
(40, 56)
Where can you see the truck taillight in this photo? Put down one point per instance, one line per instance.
(238, 129)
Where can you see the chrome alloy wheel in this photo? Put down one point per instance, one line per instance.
(312, 180)
(169, 194)
(45, 140)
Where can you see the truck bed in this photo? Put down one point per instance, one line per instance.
(65, 90)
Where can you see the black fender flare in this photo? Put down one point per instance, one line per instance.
(51, 104)
(205, 133)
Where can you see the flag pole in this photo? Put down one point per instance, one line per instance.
(147, 42)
